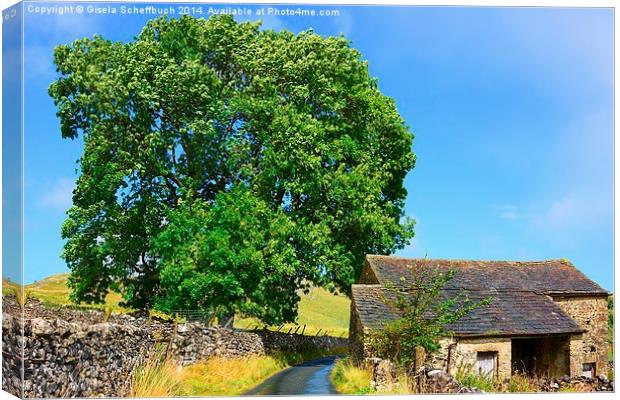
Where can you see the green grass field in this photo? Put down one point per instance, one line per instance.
(321, 311)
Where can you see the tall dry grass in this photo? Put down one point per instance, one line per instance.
(227, 377)
(351, 379)
(159, 376)
(521, 383)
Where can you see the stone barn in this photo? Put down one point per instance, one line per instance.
(545, 317)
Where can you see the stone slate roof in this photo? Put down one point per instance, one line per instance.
(519, 291)
(515, 313)
(371, 306)
(548, 277)
(510, 313)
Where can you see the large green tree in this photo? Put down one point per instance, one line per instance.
(226, 167)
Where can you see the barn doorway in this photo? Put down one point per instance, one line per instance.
(525, 357)
(547, 356)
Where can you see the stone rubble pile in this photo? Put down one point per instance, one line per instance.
(439, 381)
(579, 384)
(429, 380)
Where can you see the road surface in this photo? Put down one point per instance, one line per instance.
(311, 377)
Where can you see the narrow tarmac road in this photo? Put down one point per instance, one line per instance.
(311, 377)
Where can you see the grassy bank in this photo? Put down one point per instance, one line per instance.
(214, 377)
(350, 379)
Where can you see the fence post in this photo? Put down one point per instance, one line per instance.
(419, 357)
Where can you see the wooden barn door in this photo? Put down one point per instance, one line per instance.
(485, 363)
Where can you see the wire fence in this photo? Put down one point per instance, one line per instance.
(208, 318)
(204, 316)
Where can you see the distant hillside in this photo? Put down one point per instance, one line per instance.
(53, 291)
(321, 311)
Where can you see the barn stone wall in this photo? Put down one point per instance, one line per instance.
(357, 340)
(464, 353)
(591, 313)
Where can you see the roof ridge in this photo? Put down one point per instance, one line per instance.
(550, 277)
(540, 261)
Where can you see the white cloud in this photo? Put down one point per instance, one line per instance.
(575, 211)
(509, 211)
(59, 196)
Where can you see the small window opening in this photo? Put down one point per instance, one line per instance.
(588, 370)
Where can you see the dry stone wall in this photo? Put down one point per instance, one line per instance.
(64, 359)
(80, 356)
(12, 359)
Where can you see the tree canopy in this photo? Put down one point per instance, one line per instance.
(225, 167)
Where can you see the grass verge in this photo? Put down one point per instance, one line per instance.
(350, 379)
(217, 376)
(159, 376)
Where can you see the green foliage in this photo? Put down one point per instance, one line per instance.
(424, 314)
(232, 255)
(225, 167)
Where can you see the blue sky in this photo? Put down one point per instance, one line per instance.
(512, 110)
